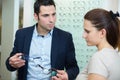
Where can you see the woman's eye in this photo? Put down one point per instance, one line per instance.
(87, 31)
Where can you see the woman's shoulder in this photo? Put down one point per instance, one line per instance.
(105, 52)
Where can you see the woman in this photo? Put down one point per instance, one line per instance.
(101, 29)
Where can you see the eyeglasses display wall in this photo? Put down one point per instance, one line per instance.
(70, 15)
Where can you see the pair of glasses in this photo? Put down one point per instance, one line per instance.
(51, 71)
(46, 71)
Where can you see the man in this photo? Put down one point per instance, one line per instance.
(43, 50)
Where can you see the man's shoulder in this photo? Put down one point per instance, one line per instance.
(61, 31)
(26, 29)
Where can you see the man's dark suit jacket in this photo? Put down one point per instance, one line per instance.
(62, 52)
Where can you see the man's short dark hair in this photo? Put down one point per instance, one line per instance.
(39, 3)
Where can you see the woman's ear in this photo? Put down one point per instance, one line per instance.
(103, 33)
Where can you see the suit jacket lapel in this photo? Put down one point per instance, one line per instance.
(54, 48)
(28, 39)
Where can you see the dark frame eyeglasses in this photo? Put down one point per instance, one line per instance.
(46, 71)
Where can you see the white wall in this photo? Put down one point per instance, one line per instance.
(10, 17)
(111, 5)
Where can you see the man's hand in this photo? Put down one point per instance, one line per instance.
(16, 61)
(61, 75)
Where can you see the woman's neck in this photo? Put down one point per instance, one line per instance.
(104, 45)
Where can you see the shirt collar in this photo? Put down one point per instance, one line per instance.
(37, 34)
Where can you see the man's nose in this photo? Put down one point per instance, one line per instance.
(51, 19)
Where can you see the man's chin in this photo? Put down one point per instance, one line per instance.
(50, 28)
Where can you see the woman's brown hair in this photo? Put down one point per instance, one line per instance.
(109, 21)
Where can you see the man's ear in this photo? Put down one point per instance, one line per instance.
(36, 16)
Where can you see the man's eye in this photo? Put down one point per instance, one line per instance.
(54, 14)
(45, 15)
